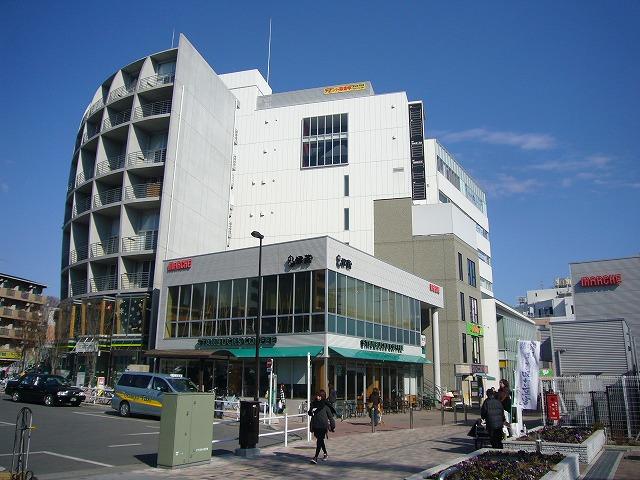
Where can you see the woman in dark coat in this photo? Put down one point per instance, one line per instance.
(321, 413)
(504, 395)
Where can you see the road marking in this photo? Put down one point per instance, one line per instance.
(124, 445)
(144, 433)
(76, 459)
(7, 424)
(113, 417)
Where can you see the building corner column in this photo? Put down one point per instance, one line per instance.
(436, 351)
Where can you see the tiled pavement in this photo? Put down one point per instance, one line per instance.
(629, 467)
(390, 454)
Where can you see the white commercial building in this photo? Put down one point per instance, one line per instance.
(173, 160)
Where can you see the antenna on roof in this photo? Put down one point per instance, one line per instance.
(269, 55)
(173, 35)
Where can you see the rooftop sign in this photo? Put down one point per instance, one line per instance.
(601, 280)
(179, 265)
(350, 87)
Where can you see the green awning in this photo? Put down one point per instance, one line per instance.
(272, 352)
(380, 356)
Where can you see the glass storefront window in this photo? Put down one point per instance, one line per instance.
(351, 327)
(341, 326)
(239, 298)
(331, 327)
(301, 323)
(250, 326)
(369, 302)
(318, 290)
(351, 297)
(196, 329)
(369, 329)
(252, 297)
(285, 294)
(317, 323)
(210, 301)
(268, 326)
(172, 304)
(285, 324)
(341, 295)
(361, 297)
(384, 306)
(406, 313)
(223, 328)
(209, 329)
(185, 303)
(197, 301)
(302, 292)
(269, 294)
(360, 328)
(237, 326)
(331, 292)
(376, 304)
(224, 299)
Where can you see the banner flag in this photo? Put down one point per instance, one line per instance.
(528, 371)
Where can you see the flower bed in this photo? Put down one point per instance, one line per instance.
(489, 464)
(585, 442)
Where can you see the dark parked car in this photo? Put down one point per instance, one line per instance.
(48, 389)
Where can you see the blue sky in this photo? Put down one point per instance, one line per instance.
(538, 100)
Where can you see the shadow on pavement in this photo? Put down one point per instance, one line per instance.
(149, 459)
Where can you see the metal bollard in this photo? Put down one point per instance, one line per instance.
(455, 413)
(441, 414)
(464, 404)
(411, 418)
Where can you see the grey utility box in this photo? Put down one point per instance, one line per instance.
(186, 429)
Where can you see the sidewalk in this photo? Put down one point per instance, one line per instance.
(629, 466)
(389, 454)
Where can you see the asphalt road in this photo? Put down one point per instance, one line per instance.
(95, 439)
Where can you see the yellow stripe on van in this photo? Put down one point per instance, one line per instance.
(142, 400)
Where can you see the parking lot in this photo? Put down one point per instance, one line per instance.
(94, 438)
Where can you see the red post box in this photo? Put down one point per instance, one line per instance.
(553, 406)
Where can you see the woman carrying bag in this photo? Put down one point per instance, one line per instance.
(321, 413)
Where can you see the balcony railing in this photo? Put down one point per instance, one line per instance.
(108, 247)
(24, 296)
(71, 186)
(143, 190)
(81, 206)
(155, 108)
(110, 164)
(122, 92)
(95, 106)
(140, 243)
(107, 197)
(136, 280)
(11, 332)
(156, 81)
(146, 157)
(113, 120)
(18, 314)
(92, 131)
(83, 177)
(78, 288)
(79, 254)
(106, 282)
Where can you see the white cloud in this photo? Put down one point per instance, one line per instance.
(585, 166)
(507, 185)
(525, 141)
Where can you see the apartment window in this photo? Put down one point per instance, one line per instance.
(462, 308)
(346, 219)
(325, 140)
(471, 270)
(473, 309)
(464, 348)
(443, 198)
(346, 185)
(484, 257)
(475, 350)
(460, 272)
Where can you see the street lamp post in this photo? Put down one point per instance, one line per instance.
(259, 236)
(250, 411)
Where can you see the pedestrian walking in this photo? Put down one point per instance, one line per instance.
(504, 395)
(376, 406)
(493, 413)
(333, 395)
(321, 413)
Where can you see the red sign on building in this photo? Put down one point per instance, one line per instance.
(434, 288)
(179, 265)
(553, 406)
(601, 280)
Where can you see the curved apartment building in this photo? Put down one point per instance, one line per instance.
(149, 180)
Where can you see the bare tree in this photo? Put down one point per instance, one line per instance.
(93, 338)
